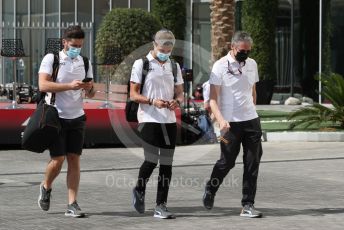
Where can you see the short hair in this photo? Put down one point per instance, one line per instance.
(74, 32)
(164, 37)
(241, 36)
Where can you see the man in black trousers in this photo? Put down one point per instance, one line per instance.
(232, 101)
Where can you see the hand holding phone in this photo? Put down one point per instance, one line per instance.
(87, 79)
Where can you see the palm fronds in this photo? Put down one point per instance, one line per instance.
(317, 114)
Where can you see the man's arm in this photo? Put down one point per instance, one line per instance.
(89, 89)
(135, 94)
(214, 95)
(179, 97)
(254, 94)
(139, 98)
(46, 84)
(179, 93)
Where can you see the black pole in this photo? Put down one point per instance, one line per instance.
(292, 49)
(238, 14)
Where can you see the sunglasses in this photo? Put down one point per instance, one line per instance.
(230, 70)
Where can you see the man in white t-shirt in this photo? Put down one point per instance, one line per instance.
(162, 93)
(232, 101)
(67, 91)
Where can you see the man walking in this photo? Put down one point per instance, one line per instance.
(161, 94)
(67, 92)
(232, 101)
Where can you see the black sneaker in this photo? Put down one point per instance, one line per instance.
(208, 199)
(162, 212)
(44, 198)
(250, 211)
(74, 210)
(138, 200)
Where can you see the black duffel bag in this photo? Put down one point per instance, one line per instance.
(44, 125)
(42, 129)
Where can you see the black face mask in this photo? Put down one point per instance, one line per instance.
(241, 56)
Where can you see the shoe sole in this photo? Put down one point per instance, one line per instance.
(40, 197)
(164, 217)
(75, 216)
(251, 216)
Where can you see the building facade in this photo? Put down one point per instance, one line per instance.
(34, 21)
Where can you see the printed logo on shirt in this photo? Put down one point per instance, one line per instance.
(249, 70)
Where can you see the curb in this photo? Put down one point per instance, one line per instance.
(303, 136)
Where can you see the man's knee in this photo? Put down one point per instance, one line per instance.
(57, 161)
(73, 157)
(224, 165)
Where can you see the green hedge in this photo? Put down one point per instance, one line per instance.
(127, 29)
(172, 14)
(259, 19)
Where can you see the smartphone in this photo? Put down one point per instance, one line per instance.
(87, 79)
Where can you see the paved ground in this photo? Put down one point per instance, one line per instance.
(300, 187)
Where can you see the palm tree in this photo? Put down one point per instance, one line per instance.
(317, 114)
(222, 27)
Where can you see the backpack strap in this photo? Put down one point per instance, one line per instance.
(86, 64)
(174, 69)
(145, 70)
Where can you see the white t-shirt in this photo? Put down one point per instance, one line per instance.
(68, 103)
(159, 84)
(206, 91)
(236, 100)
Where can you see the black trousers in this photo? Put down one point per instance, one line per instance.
(247, 133)
(158, 141)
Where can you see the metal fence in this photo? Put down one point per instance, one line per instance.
(34, 39)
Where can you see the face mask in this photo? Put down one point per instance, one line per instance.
(241, 56)
(162, 56)
(73, 52)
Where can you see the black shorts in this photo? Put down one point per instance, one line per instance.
(71, 138)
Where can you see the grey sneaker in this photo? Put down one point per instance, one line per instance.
(44, 198)
(74, 210)
(162, 212)
(138, 201)
(250, 211)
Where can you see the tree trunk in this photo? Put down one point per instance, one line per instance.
(222, 27)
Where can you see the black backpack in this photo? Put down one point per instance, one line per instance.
(132, 107)
(56, 65)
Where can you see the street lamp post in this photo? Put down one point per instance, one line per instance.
(292, 49)
(320, 46)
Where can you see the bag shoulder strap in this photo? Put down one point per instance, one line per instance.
(145, 70)
(56, 66)
(174, 69)
(86, 65)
